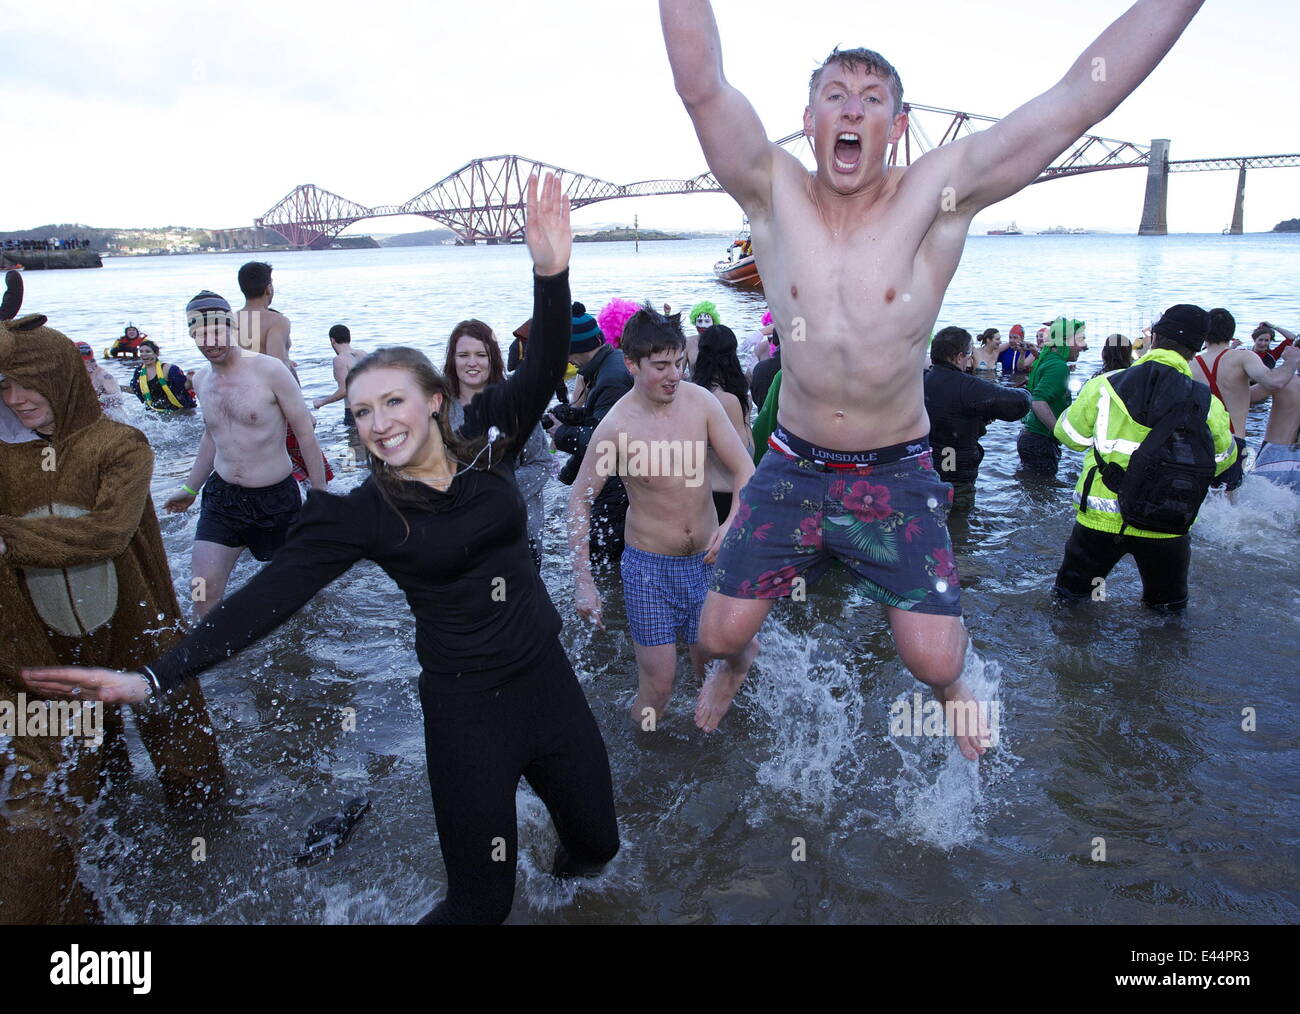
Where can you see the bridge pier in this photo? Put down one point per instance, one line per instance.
(1155, 207)
(1239, 207)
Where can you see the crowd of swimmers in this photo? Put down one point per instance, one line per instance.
(706, 517)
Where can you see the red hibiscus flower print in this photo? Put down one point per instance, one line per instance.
(868, 502)
(810, 532)
(945, 566)
(774, 583)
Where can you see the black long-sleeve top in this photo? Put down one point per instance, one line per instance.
(960, 407)
(481, 611)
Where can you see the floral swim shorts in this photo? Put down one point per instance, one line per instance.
(882, 514)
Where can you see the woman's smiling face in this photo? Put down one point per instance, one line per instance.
(393, 416)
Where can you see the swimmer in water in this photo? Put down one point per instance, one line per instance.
(160, 387)
(852, 428)
(107, 389)
(988, 348)
(346, 356)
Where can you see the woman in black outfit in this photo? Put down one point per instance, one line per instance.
(441, 514)
(717, 369)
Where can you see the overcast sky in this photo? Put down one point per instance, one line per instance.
(142, 113)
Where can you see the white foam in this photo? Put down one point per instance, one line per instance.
(939, 795)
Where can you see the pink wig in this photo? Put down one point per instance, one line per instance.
(613, 317)
(767, 318)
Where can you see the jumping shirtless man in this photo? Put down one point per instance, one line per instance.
(250, 498)
(1229, 373)
(657, 438)
(855, 260)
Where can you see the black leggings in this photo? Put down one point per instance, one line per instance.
(478, 745)
(1162, 563)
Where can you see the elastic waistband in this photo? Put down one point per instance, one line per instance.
(662, 556)
(254, 489)
(785, 442)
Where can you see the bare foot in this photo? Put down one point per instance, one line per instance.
(722, 686)
(972, 742)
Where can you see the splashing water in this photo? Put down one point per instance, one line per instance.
(937, 792)
(813, 705)
(1265, 519)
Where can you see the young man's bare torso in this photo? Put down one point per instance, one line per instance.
(670, 509)
(242, 412)
(855, 282)
(657, 438)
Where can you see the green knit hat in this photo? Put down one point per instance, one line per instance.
(1061, 330)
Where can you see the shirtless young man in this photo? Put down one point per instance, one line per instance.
(1229, 374)
(656, 437)
(250, 499)
(346, 356)
(262, 329)
(858, 255)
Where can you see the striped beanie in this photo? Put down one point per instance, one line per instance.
(587, 336)
(206, 302)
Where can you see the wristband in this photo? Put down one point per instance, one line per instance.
(156, 694)
(191, 492)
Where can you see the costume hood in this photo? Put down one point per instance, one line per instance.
(45, 360)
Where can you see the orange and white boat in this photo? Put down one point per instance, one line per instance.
(739, 268)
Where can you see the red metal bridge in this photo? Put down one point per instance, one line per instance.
(483, 201)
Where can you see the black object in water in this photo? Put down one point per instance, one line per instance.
(328, 834)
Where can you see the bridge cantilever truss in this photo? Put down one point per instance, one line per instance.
(483, 201)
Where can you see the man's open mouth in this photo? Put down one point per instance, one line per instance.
(848, 152)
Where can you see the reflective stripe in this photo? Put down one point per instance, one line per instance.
(1096, 503)
(1102, 440)
(1226, 454)
(1074, 434)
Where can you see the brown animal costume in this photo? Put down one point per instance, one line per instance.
(83, 581)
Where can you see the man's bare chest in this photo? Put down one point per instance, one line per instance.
(232, 403)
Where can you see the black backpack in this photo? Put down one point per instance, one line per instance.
(1170, 473)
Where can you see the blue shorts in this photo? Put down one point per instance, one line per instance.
(882, 514)
(1279, 464)
(663, 596)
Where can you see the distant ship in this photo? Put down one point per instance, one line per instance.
(1010, 230)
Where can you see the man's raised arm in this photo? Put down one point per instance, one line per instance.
(994, 164)
(730, 132)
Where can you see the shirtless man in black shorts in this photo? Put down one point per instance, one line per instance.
(855, 260)
(251, 498)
